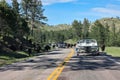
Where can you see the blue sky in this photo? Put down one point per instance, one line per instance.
(65, 11)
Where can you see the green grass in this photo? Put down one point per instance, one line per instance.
(114, 51)
(71, 41)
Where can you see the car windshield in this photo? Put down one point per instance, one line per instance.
(87, 41)
(90, 41)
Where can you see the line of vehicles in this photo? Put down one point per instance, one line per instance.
(62, 45)
(82, 46)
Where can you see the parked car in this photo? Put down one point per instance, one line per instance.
(61, 45)
(87, 45)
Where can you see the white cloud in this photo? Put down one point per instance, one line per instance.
(106, 11)
(48, 2)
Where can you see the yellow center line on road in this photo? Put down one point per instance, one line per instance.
(55, 74)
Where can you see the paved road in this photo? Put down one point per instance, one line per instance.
(37, 68)
(83, 67)
(87, 67)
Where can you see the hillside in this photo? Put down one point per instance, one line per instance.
(53, 28)
(58, 27)
(110, 22)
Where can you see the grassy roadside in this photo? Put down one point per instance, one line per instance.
(114, 51)
(8, 58)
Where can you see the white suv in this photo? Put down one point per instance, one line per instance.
(87, 45)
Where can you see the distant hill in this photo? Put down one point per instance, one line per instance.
(53, 28)
(58, 27)
(110, 22)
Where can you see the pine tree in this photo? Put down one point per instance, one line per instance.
(113, 34)
(86, 26)
(33, 12)
(77, 25)
(107, 34)
(3, 3)
(8, 17)
(15, 5)
(25, 6)
(118, 38)
(98, 32)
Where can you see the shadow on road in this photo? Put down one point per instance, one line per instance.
(82, 62)
(88, 62)
(40, 62)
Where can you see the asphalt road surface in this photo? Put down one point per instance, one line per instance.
(63, 64)
(89, 67)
